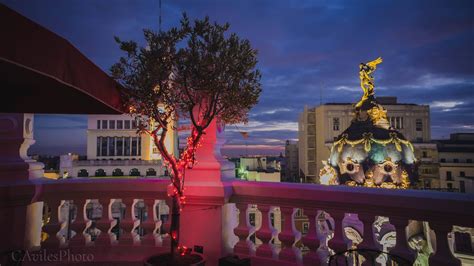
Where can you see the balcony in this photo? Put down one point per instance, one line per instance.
(225, 216)
(217, 217)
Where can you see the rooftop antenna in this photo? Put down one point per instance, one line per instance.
(159, 22)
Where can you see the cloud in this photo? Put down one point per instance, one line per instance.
(258, 126)
(305, 49)
(446, 106)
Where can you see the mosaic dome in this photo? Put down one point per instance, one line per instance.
(369, 152)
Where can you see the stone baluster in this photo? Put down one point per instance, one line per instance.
(104, 224)
(52, 228)
(149, 225)
(128, 223)
(368, 241)
(80, 224)
(442, 255)
(265, 233)
(311, 239)
(166, 237)
(338, 243)
(287, 235)
(401, 248)
(242, 230)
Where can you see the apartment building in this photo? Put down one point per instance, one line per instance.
(456, 167)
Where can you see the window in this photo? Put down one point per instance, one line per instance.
(455, 160)
(112, 124)
(462, 186)
(468, 160)
(425, 154)
(419, 125)
(127, 124)
(98, 124)
(104, 147)
(99, 139)
(100, 172)
(443, 160)
(134, 146)
(449, 176)
(305, 228)
(117, 172)
(139, 146)
(119, 141)
(104, 124)
(127, 147)
(335, 124)
(151, 172)
(134, 172)
(427, 183)
(111, 146)
(134, 124)
(298, 213)
(462, 174)
(450, 186)
(272, 219)
(82, 173)
(119, 124)
(155, 150)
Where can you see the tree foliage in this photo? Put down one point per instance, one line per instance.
(197, 72)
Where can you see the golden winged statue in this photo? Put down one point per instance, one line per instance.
(366, 79)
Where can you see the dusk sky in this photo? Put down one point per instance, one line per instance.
(308, 51)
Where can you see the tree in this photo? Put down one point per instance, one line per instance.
(196, 72)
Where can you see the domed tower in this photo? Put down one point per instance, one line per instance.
(369, 152)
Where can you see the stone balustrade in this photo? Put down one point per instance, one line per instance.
(102, 217)
(345, 208)
(264, 218)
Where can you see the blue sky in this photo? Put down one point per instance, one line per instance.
(306, 49)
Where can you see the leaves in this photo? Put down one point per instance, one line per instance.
(197, 71)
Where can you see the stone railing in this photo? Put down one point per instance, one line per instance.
(260, 220)
(343, 218)
(101, 218)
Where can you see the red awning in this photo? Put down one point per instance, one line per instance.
(41, 72)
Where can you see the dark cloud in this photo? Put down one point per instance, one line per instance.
(309, 51)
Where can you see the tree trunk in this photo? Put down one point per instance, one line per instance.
(175, 215)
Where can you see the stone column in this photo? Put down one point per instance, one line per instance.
(202, 214)
(16, 136)
(21, 214)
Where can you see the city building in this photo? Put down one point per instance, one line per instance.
(319, 126)
(114, 148)
(259, 168)
(456, 167)
(290, 171)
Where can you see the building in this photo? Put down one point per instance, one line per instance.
(259, 168)
(290, 173)
(115, 149)
(456, 167)
(319, 126)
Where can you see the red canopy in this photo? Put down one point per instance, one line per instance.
(41, 72)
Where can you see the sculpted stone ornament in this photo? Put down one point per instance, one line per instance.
(367, 80)
(369, 152)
